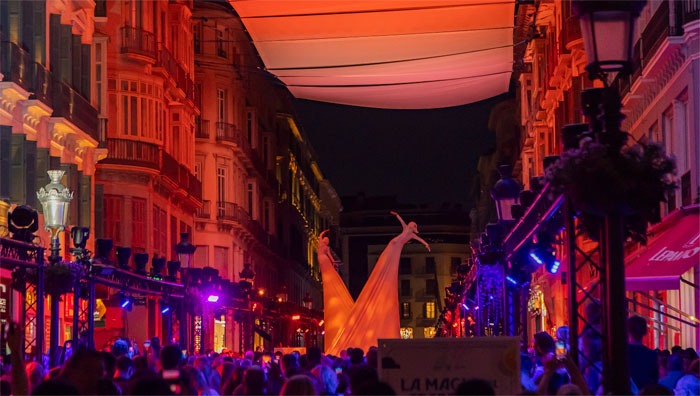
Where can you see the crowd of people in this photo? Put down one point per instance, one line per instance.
(121, 368)
(652, 372)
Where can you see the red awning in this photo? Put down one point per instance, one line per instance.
(668, 256)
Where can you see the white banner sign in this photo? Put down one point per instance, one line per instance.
(437, 366)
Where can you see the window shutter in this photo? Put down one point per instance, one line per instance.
(39, 30)
(30, 173)
(85, 200)
(66, 56)
(17, 183)
(27, 27)
(55, 44)
(5, 161)
(85, 76)
(99, 211)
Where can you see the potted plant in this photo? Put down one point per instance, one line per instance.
(599, 180)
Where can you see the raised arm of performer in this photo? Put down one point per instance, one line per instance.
(403, 223)
(419, 239)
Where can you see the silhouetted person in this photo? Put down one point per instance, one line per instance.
(643, 366)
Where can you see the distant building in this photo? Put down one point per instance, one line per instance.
(367, 227)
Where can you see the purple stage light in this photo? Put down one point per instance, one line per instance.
(213, 298)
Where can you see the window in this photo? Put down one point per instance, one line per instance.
(266, 216)
(430, 286)
(220, 188)
(266, 151)
(221, 261)
(160, 231)
(430, 265)
(221, 105)
(113, 215)
(405, 288)
(220, 51)
(138, 223)
(455, 262)
(201, 256)
(100, 94)
(198, 38)
(198, 170)
(429, 310)
(141, 109)
(407, 333)
(405, 310)
(405, 266)
(429, 332)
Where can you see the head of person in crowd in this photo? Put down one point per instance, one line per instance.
(125, 368)
(254, 381)
(299, 385)
(290, 365)
(636, 329)
(544, 344)
(119, 348)
(110, 363)
(326, 378)
(84, 370)
(140, 363)
(250, 355)
(357, 356)
(35, 374)
(170, 357)
(372, 357)
(155, 345)
(151, 385)
(313, 357)
(361, 375)
(570, 390)
(689, 356)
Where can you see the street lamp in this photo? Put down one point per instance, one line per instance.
(247, 276)
(506, 193)
(185, 250)
(308, 302)
(55, 199)
(608, 31)
(607, 28)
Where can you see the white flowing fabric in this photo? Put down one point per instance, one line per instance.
(375, 314)
(393, 54)
(337, 302)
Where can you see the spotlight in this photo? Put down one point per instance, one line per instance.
(164, 305)
(517, 277)
(213, 298)
(321, 322)
(140, 260)
(554, 267)
(126, 302)
(261, 292)
(296, 317)
(466, 308)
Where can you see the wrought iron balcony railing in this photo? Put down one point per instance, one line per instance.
(138, 41)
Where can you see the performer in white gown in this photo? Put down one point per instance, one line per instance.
(375, 314)
(337, 302)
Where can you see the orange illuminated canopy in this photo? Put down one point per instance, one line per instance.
(411, 54)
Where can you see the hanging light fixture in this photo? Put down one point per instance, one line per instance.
(55, 200)
(608, 30)
(506, 193)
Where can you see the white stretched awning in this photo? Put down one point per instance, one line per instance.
(413, 54)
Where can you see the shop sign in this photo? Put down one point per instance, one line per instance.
(5, 294)
(437, 366)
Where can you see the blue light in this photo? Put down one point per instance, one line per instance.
(511, 280)
(555, 266)
(165, 310)
(125, 304)
(466, 308)
(537, 259)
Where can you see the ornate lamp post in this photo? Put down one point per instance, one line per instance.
(55, 199)
(247, 277)
(608, 33)
(185, 250)
(506, 193)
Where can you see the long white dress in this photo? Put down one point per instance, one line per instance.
(375, 314)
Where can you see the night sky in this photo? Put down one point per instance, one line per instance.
(422, 156)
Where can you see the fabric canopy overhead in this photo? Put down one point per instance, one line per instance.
(417, 54)
(675, 251)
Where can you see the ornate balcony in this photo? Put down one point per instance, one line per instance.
(205, 211)
(138, 42)
(166, 61)
(132, 152)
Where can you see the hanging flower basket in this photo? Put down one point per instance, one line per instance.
(600, 181)
(60, 278)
